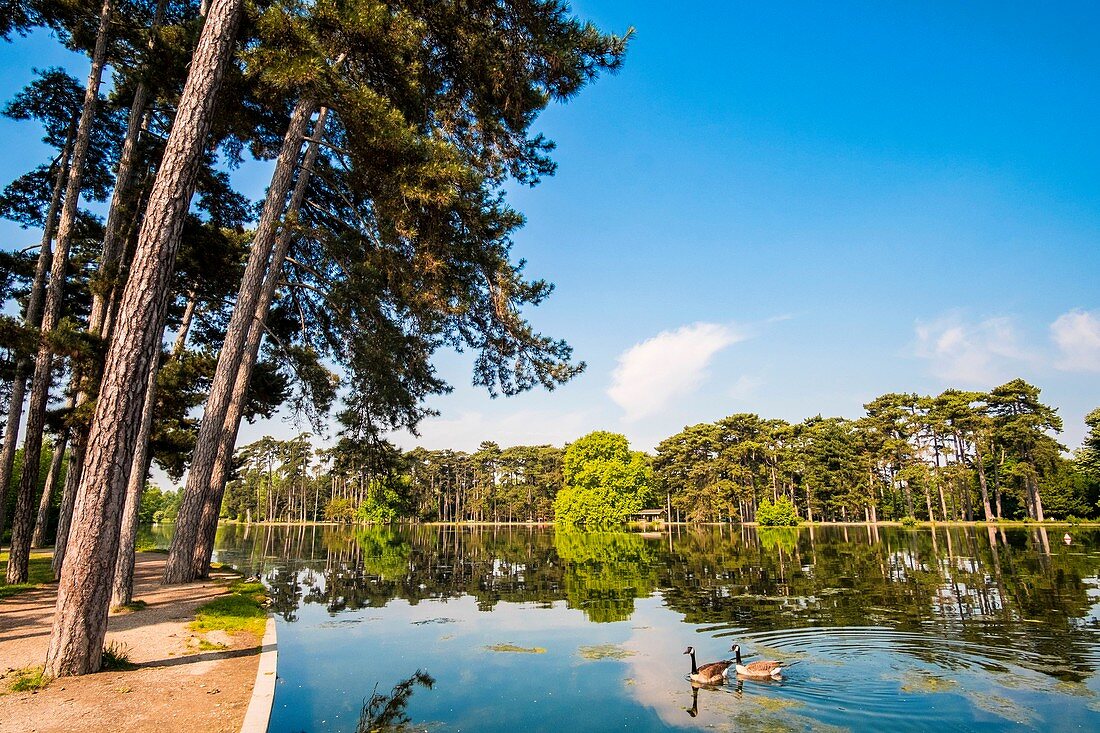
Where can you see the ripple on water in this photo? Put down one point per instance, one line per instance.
(909, 680)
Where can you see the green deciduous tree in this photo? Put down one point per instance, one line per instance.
(604, 482)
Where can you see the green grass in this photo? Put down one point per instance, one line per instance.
(29, 679)
(130, 607)
(151, 547)
(241, 610)
(39, 571)
(116, 657)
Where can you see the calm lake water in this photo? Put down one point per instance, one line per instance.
(534, 629)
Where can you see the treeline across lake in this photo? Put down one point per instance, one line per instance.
(955, 456)
(1016, 588)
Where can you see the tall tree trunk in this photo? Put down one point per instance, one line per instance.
(84, 593)
(208, 526)
(113, 260)
(1036, 500)
(122, 590)
(120, 209)
(51, 312)
(38, 539)
(908, 491)
(32, 318)
(22, 519)
(980, 463)
(179, 567)
(185, 326)
(68, 499)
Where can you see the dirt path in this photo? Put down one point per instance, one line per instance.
(176, 687)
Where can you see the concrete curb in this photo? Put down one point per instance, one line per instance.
(258, 715)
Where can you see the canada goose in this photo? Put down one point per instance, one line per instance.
(763, 669)
(714, 673)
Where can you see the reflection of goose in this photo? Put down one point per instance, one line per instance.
(763, 669)
(693, 711)
(713, 673)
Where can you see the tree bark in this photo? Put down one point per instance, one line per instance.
(110, 261)
(208, 525)
(185, 326)
(979, 461)
(1036, 500)
(51, 312)
(180, 565)
(84, 593)
(105, 300)
(122, 591)
(32, 319)
(38, 539)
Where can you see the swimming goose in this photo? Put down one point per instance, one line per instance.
(713, 673)
(763, 669)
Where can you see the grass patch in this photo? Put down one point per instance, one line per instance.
(29, 679)
(39, 572)
(130, 607)
(223, 567)
(210, 646)
(512, 648)
(116, 658)
(148, 544)
(241, 610)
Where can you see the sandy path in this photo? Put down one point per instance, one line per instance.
(176, 687)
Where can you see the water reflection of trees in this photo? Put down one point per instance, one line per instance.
(985, 586)
(388, 712)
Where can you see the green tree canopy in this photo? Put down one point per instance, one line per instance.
(604, 481)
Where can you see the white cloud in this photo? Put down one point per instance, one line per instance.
(671, 364)
(973, 353)
(1077, 335)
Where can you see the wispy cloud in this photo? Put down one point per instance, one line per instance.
(671, 364)
(973, 353)
(1077, 335)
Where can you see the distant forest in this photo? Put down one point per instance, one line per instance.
(955, 456)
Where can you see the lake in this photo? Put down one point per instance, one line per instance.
(537, 629)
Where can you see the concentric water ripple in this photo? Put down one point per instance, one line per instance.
(866, 677)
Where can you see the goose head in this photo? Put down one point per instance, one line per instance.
(689, 650)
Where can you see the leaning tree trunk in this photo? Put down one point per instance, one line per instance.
(32, 319)
(122, 591)
(43, 363)
(208, 524)
(38, 539)
(179, 567)
(68, 499)
(119, 212)
(84, 593)
(111, 263)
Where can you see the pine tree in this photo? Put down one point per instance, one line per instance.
(84, 591)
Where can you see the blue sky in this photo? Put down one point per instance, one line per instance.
(791, 208)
